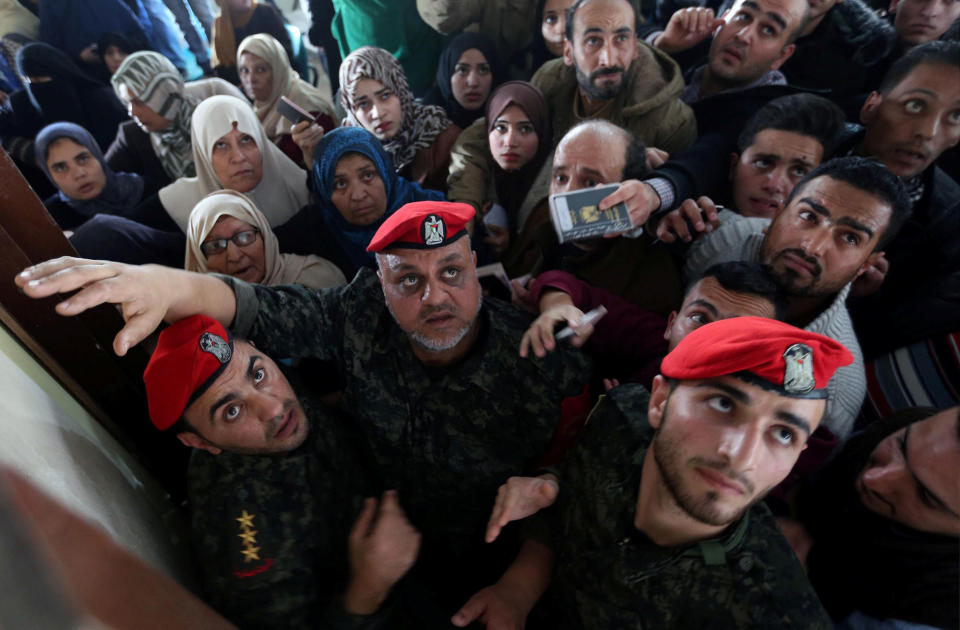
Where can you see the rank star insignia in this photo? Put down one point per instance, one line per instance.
(245, 520)
(798, 370)
(248, 537)
(433, 230)
(250, 553)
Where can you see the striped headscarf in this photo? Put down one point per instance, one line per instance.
(153, 79)
(421, 123)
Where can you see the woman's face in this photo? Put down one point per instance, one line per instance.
(553, 24)
(74, 170)
(378, 109)
(471, 80)
(513, 139)
(236, 248)
(236, 161)
(358, 192)
(147, 119)
(113, 57)
(256, 75)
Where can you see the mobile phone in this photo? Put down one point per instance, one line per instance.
(589, 317)
(293, 112)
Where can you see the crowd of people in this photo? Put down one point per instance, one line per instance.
(340, 217)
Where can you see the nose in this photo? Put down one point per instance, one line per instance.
(885, 478)
(777, 182)
(234, 252)
(357, 193)
(472, 79)
(604, 56)
(374, 112)
(739, 445)
(510, 139)
(236, 155)
(928, 127)
(269, 408)
(744, 34)
(433, 293)
(816, 240)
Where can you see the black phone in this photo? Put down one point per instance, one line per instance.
(293, 112)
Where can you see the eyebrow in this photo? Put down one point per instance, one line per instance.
(928, 497)
(921, 90)
(794, 420)
(232, 395)
(707, 305)
(847, 221)
(776, 17)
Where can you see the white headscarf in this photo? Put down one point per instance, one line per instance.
(311, 271)
(286, 82)
(282, 190)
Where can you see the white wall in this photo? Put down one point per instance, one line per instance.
(47, 436)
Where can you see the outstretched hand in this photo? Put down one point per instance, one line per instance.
(701, 215)
(519, 498)
(687, 28)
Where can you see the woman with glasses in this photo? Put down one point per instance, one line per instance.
(228, 234)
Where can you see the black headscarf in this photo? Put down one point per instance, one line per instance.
(70, 95)
(863, 561)
(442, 93)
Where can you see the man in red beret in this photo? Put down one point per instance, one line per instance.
(659, 522)
(431, 374)
(273, 486)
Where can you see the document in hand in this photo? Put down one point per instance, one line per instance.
(576, 214)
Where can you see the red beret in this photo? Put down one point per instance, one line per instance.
(787, 359)
(423, 225)
(190, 355)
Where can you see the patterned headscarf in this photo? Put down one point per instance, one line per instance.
(421, 123)
(153, 79)
(286, 82)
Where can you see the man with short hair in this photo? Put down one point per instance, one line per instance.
(659, 522)
(907, 124)
(882, 522)
(271, 484)
(431, 373)
(921, 21)
(606, 73)
(834, 226)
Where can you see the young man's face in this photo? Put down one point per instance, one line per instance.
(921, 21)
(722, 444)
(909, 127)
(824, 238)
(753, 40)
(603, 47)
(707, 301)
(249, 409)
(765, 173)
(911, 476)
(433, 294)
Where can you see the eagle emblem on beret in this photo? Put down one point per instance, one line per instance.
(217, 346)
(798, 370)
(434, 230)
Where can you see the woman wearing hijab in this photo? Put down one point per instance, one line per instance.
(497, 159)
(113, 48)
(73, 26)
(356, 189)
(156, 143)
(468, 71)
(239, 19)
(266, 75)
(375, 94)
(231, 150)
(228, 234)
(59, 91)
(86, 185)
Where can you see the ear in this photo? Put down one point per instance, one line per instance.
(868, 113)
(893, 6)
(193, 440)
(871, 260)
(672, 316)
(568, 52)
(473, 252)
(658, 400)
(785, 53)
(734, 159)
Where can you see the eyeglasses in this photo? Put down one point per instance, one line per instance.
(240, 239)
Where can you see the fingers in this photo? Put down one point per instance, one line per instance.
(61, 275)
(137, 328)
(581, 335)
(361, 527)
(493, 524)
(470, 611)
(610, 383)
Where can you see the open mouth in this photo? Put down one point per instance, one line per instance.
(289, 425)
(383, 127)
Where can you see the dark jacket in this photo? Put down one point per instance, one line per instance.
(132, 152)
(840, 52)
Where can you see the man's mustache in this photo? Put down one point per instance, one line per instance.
(602, 71)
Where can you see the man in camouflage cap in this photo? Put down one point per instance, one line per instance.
(273, 486)
(658, 522)
(431, 372)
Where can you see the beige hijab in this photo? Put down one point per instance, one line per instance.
(282, 190)
(286, 82)
(311, 271)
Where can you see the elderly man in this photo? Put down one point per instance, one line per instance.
(606, 73)
(882, 522)
(659, 522)
(833, 227)
(431, 371)
(271, 483)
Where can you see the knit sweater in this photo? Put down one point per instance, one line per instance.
(740, 238)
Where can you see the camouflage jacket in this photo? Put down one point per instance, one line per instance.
(271, 531)
(609, 575)
(445, 441)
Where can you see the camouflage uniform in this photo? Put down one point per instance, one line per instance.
(271, 531)
(445, 439)
(609, 575)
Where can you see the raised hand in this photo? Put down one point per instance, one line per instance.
(519, 498)
(701, 214)
(687, 28)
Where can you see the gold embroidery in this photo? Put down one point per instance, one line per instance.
(249, 537)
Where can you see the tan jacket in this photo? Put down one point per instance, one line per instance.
(509, 23)
(430, 165)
